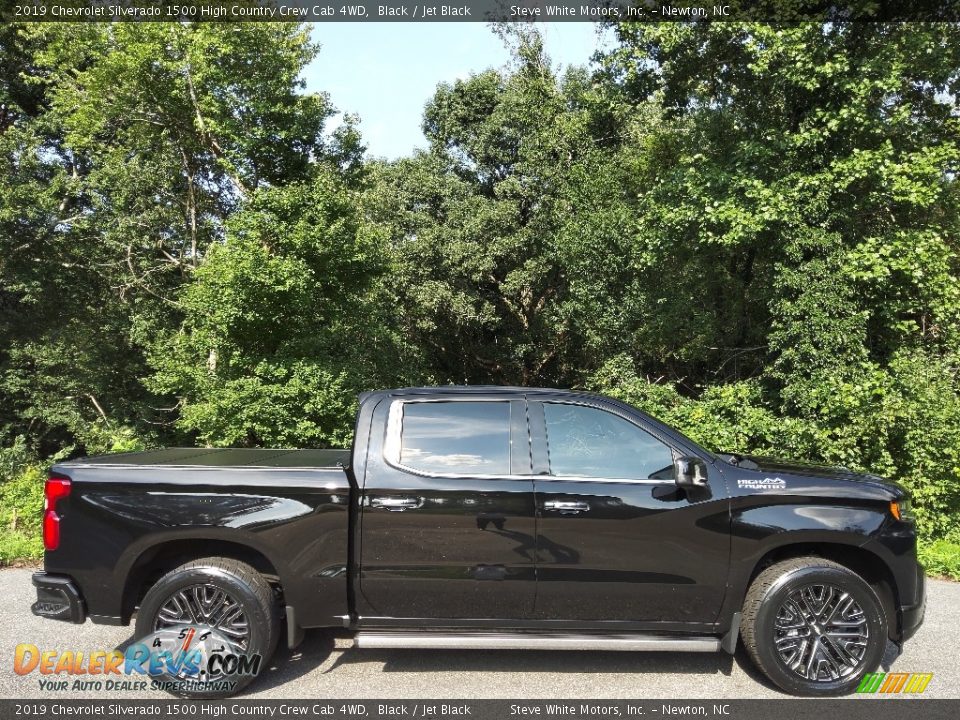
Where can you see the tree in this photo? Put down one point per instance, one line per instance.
(475, 224)
(812, 171)
(280, 329)
(146, 140)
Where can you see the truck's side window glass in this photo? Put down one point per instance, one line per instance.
(588, 442)
(456, 437)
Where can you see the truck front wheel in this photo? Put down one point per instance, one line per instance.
(813, 627)
(210, 625)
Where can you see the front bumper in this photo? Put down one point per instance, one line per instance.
(58, 598)
(911, 617)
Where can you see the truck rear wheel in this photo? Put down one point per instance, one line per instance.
(813, 627)
(219, 606)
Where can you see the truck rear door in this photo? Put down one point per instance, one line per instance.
(448, 517)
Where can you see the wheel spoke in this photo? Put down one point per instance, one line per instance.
(835, 650)
(802, 600)
(790, 641)
(229, 617)
(197, 597)
(833, 604)
(184, 601)
(170, 616)
(209, 609)
(814, 650)
(794, 606)
(821, 633)
(843, 633)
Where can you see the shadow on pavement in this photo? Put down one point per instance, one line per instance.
(287, 665)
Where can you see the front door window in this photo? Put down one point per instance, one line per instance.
(588, 442)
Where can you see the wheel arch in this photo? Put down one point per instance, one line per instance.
(158, 559)
(855, 558)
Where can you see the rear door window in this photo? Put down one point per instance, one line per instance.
(460, 438)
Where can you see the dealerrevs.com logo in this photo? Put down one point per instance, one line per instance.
(177, 659)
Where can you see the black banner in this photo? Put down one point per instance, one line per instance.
(479, 10)
(859, 708)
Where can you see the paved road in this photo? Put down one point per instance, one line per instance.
(326, 667)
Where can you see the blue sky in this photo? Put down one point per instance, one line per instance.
(386, 72)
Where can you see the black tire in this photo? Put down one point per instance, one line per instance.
(244, 585)
(771, 607)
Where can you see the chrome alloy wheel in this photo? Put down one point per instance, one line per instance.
(206, 607)
(821, 633)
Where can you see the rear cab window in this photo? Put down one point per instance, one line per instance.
(458, 437)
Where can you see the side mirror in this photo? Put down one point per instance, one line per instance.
(690, 472)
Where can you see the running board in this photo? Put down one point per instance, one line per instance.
(436, 640)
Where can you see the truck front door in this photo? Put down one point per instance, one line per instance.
(448, 518)
(617, 539)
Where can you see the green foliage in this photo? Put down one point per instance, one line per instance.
(732, 417)
(903, 424)
(786, 157)
(941, 558)
(22, 476)
(749, 230)
(801, 192)
(130, 150)
(472, 225)
(21, 504)
(280, 324)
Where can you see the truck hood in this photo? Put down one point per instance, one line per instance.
(812, 470)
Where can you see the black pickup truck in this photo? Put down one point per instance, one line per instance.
(488, 517)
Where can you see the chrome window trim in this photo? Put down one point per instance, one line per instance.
(589, 479)
(391, 447)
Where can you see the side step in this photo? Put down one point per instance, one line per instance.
(520, 640)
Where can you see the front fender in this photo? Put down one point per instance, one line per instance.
(770, 525)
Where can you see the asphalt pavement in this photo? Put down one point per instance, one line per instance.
(325, 666)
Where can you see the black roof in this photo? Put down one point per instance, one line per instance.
(474, 390)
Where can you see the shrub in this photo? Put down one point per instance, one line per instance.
(942, 558)
(21, 503)
(902, 422)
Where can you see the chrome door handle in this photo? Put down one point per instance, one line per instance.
(567, 506)
(397, 504)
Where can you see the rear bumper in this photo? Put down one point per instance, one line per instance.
(58, 598)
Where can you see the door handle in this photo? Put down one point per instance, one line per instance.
(397, 504)
(567, 506)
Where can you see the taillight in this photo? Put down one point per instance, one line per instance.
(54, 489)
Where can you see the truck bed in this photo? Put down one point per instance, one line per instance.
(289, 509)
(210, 466)
(220, 457)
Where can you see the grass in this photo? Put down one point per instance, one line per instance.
(941, 558)
(21, 500)
(17, 548)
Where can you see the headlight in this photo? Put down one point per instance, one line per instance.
(902, 510)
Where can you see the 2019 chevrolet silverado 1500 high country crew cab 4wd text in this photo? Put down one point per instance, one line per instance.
(487, 517)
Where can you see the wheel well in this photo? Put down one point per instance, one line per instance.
(863, 562)
(157, 561)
